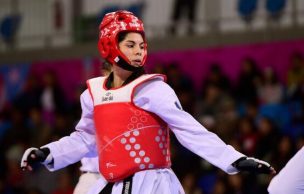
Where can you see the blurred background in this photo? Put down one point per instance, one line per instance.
(236, 65)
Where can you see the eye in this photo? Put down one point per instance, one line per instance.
(130, 45)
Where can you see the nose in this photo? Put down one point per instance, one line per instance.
(138, 51)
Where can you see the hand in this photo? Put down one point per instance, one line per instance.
(253, 165)
(32, 157)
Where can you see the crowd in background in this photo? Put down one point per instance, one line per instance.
(259, 114)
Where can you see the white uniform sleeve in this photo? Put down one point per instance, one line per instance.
(81, 143)
(89, 164)
(291, 178)
(159, 98)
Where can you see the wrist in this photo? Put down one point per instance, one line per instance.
(235, 164)
(47, 157)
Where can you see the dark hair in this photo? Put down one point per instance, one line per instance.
(106, 65)
(121, 36)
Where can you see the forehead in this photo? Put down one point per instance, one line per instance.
(134, 36)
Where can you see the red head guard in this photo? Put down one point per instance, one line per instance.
(112, 24)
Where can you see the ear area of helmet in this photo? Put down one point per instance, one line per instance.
(104, 46)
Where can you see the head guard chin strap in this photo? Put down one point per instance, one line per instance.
(125, 65)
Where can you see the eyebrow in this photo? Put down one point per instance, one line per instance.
(131, 41)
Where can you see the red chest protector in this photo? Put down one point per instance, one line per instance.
(129, 139)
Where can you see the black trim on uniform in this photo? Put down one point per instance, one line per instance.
(126, 188)
(127, 185)
(107, 189)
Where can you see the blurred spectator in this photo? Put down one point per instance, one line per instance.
(159, 68)
(14, 178)
(217, 107)
(226, 117)
(267, 138)
(180, 8)
(5, 123)
(62, 125)
(271, 90)
(4, 188)
(40, 179)
(52, 97)
(247, 136)
(182, 84)
(65, 185)
(189, 184)
(2, 92)
(220, 187)
(17, 132)
(236, 184)
(209, 104)
(33, 191)
(248, 81)
(217, 77)
(177, 79)
(283, 152)
(186, 98)
(36, 126)
(295, 76)
(296, 126)
(251, 110)
(30, 95)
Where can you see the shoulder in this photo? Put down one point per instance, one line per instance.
(154, 90)
(85, 95)
(154, 83)
(95, 79)
(148, 77)
(156, 76)
(154, 95)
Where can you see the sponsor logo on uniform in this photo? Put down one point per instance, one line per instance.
(107, 97)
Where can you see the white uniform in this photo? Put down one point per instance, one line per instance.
(158, 97)
(90, 174)
(291, 178)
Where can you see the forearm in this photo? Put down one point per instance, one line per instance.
(206, 144)
(70, 149)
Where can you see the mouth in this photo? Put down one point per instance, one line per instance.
(136, 62)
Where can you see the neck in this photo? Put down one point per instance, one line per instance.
(120, 76)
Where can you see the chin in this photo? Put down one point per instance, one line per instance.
(136, 65)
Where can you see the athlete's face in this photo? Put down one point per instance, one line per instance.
(133, 48)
